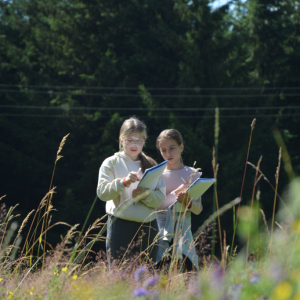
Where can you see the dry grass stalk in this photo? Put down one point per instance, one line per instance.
(281, 228)
(244, 176)
(62, 143)
(265, 221)
(252, 199)
(211, 218)
(215, 169)
(49, 198)
(8, 218)
(2, 197)
(285, 155)
(42, 204)
(275, 197)
(265, 178)
(22, 226)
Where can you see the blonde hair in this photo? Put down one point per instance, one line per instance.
(170, 134)
(131, 125)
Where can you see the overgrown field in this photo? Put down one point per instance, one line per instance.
(267, 267)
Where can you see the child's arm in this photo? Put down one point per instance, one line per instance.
(194, 206)
(157, 196)
(108, 187)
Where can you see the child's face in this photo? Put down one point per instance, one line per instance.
(171, 151)
(133, 144)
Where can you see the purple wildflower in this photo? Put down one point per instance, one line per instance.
(123, 277)
(139, 273)
(255, 278)
(140, 292)
(217, 278)
(151, 281)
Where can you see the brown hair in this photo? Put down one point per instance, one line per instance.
(170, 134)
(133, 124)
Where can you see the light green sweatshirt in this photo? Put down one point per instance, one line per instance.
(112, 190)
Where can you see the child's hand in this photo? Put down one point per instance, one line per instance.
(138, 191)
(131, 178)
(139, 177)
(185, 199)
(181, 189)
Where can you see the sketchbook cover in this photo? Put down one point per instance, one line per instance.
(152, 176)
(199, 187)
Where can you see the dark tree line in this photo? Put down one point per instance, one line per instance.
(83, 68)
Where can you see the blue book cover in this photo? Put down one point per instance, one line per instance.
(152, 176)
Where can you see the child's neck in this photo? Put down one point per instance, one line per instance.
(176, 166)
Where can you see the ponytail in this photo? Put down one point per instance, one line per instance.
(146, 161)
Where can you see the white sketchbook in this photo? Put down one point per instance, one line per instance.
(199, 187)
(152, 176)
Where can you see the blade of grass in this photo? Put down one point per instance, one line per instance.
(241, 194)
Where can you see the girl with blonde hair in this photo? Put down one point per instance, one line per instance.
(131, 210)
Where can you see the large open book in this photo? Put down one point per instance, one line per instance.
(152, 176)
(199, 187)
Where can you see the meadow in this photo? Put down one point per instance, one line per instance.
(266, 267)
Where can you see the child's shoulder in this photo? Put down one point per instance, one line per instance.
(192, 171)
(111, 160)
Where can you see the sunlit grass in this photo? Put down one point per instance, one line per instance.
(267, 267)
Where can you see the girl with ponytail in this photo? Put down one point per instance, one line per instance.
(131, 210)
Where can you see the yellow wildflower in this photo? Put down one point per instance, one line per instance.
(40, 297)
(1, 279)
(30, 292)
(74, 277)
(282, 291)
(10, 295)
(56, 272)
(296, 226)
(65, 269)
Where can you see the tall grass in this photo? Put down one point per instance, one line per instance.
(69, 271)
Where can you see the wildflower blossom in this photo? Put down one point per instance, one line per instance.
(282, 291)
(1, 279)
(151, 281)
(139, 273)
(30, 292)
(139, 292)
(65, 269)
(255, 278)
(10, 295)
(74, 277)
(56, 272)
